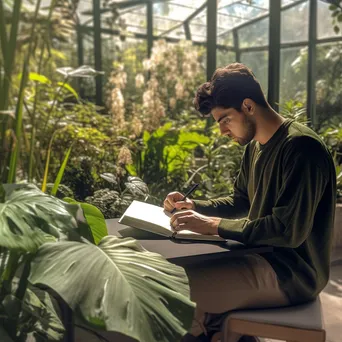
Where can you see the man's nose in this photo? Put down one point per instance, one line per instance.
(223, 130)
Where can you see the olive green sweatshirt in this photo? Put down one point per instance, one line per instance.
(284, 196)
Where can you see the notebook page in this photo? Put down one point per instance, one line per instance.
(149, 213)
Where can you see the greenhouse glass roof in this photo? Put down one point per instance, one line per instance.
(171, 17)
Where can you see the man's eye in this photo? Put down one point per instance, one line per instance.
(225, 121)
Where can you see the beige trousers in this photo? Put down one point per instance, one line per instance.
(225, 285)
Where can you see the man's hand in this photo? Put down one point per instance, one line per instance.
(173, 200)
(190, 220)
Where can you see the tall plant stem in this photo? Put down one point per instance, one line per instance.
(11, 267)
(19, 107)
(33, 119)
(8, 49)
(21, 290)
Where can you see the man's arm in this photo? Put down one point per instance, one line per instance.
(304, 180)
(235, 206)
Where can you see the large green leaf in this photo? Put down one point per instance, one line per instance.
(69, 88)
(94, 218)
(29, 217)
(33, 76)
(61, 172)
(118, 286)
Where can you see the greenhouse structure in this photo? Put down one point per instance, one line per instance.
(144, 196)
(268, 36)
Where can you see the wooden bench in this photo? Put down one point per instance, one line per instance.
(300, 323)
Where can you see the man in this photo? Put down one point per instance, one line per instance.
(284, 196)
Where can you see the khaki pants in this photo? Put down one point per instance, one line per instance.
(225, 285)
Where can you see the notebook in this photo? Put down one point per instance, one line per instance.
(155, 219)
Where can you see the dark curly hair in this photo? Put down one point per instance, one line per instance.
(228, 87)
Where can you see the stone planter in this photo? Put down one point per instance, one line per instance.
(337, 243)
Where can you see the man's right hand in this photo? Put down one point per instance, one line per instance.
(174, 200)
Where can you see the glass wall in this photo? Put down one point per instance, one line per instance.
(258, 62)
(329, 81)
(242, 33)
(293, 75)
(294, 23)
(255, 34)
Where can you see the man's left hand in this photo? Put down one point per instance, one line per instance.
(191, 220)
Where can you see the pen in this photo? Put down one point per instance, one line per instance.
(193, 188)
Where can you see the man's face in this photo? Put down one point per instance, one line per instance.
(237, 125)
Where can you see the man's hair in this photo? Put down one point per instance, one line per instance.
(228, 87)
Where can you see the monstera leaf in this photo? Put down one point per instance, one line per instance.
(118, 286)
(28, 217)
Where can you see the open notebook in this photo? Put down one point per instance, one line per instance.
(155, 219)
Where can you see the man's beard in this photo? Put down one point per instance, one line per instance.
(250, 131)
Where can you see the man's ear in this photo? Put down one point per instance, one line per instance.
(249, 106)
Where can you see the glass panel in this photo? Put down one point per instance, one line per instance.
(163, 24)
(198, 27)
(258, 62)
(85, 6)
(226, 39)
(178, 33)
(242, 10)
(255, 34)
(293, 74)
(329, 81)
(224, 58)
(294, 23)
(88, 84)
(139, 19)
(325, 27)
(226, 22)
(176, 10)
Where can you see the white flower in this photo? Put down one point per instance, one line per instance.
(172, 103)
(147, 64)
(139, 80)
(179, 90)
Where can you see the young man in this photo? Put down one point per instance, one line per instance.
(284, 196)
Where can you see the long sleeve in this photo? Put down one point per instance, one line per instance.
(290, 221)
(235, 206)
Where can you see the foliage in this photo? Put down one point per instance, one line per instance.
(328, 84)
(39, 233)
(113, 201)
(331, 133)
(336, 14)
(294, 110)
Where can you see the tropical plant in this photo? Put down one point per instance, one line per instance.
(115, 199)
(336, 14)
(23, 118)
(162, 158)
(48, 243)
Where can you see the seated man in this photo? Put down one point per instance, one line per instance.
(284, 196)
